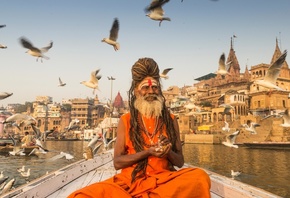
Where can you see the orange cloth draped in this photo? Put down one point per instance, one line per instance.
(158, 182)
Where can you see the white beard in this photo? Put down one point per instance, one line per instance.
(149, 108)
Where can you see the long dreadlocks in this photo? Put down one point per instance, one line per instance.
(142, 68)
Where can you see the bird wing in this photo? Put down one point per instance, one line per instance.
(226, 125)
(60, 81)
(94, 75)
(222, 60)
(165, 71)
(45, 49)
(155, 4)
(114, 30)
(286, 116)
(111, 141)
(232, 137)
(95, 150)
(36, 130)
(27, 44)
(1, 26)
(274, 70)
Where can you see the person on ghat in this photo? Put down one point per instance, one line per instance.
(148, 147)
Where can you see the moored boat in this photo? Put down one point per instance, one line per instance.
(268, 145)
(64, 181)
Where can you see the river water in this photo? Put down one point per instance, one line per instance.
(266, 169)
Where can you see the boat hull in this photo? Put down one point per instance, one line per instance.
(268, 145)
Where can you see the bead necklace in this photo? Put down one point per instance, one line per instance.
(151, 137)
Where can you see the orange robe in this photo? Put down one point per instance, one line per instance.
(158, 182)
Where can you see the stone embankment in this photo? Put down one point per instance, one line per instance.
(269, 131)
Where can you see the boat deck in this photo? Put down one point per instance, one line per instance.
(63, 182)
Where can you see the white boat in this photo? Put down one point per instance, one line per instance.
(64, 181)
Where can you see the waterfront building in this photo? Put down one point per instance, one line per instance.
(263, 100)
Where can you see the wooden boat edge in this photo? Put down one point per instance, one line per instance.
(46, 185)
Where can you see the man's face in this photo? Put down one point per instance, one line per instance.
(149, 101)
(148, 88)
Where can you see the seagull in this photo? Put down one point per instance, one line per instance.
(105, 141)
(251, 127)
(223, 67)
(7, 186)
(94, 80)
(227, 107)
(3, 46)
(272, 74)
(17, 151)
(226, 127)
(164, 73)
(25, 174)
(61, 84)
(286, 118)
(156, 12)
(61, 155)
(19, 117)
(73, 124)
(2, 181)
(22, 169)
(112, 40)
(92, 149)
(4, 95)
(230, 140)
(235, 173)
(33, 51)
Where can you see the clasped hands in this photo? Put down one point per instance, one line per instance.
(162, 148)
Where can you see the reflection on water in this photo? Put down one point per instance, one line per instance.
(263, 168)
(267, 169)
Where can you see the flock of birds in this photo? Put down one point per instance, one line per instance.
(154, 11)
(18, 120)
(250, 127)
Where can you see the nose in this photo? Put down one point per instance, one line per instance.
(150, 90)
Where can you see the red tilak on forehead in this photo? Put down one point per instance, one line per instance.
(149, 82)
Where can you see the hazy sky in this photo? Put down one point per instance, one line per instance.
(192, 42)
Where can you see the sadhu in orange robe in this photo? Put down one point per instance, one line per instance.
(158, 182)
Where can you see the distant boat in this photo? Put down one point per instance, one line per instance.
(9, 148)
(101, 167)
(268, 145)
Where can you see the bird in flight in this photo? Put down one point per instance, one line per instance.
(226, 128)
(231, 139)
(223, 67)
(4, 95)
(112, 40)
(2, 46)
(156, 11)
(251, 127)
(94, 80)
(272, 74)
(61, 84)
(286, 118)
(164, 73)
(34, 51)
